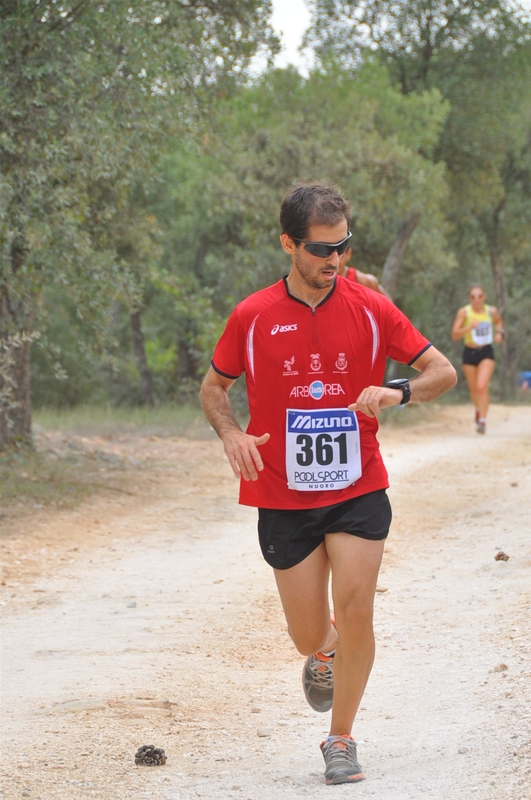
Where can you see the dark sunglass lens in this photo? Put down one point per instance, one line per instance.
(321, 250)
(318, 250)
(342, 248)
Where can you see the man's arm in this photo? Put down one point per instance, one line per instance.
(241, 448)
(436, 376)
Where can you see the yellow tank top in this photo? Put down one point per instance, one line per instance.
(481, 335)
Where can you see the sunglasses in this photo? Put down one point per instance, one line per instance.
(323, 249)
(476, 296)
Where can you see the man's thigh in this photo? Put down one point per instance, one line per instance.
(355, 564)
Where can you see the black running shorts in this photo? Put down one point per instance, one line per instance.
(288, 536)
(473, 355)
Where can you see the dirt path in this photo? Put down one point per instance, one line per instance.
(150, 617)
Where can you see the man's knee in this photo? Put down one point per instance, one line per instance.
(355, 612)
(309, 641)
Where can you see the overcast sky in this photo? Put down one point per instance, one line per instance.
(290, 19)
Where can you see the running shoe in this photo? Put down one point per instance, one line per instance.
(318, 681)
(482, 426)
(342, 765)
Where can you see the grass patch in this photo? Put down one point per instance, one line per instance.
(166, 420)
(36, 479)
(66, 474)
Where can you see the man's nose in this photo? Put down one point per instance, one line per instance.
(333, 259)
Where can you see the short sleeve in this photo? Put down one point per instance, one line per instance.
(229, 354)
(404, 342)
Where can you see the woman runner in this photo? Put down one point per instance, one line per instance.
(479, 325)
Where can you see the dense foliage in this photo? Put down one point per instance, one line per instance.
(478, 56)
(90, 94)
(142, 172)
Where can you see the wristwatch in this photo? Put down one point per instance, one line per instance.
(403, 385)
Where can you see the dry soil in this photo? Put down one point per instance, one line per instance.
(147, 616)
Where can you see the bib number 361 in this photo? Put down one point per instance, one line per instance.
(322, 449)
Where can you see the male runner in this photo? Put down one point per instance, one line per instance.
(310, 460)
(357, 276)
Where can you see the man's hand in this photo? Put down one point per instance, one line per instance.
(436, 375)
(241, 448)
(374, 398)
(242, 451)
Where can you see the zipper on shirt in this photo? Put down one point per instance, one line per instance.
(314, 325)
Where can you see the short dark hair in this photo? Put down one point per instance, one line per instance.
(308, 204)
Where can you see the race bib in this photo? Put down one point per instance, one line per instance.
(482, 335)
(322, 449)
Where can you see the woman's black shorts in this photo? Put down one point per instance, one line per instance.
(288, 536)
(473, 355)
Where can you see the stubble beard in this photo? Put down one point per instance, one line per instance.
(310, 275)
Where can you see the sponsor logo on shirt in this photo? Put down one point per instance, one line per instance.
(333, 420)
(341, 363)
(283, 329)
(315, 362)
(322, 479)
(288, 367)
(317, 390)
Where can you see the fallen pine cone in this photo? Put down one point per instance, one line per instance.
(501, 556)
(150, 756)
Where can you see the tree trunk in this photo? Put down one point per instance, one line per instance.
(187, 364)
(501, 297)
(15, 400)
(392, 268)
(397, 251)
(146, 376)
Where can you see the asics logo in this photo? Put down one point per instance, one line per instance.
(282, 329)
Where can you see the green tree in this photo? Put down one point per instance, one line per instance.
(478, 56)
(412, 38)
(221, 194)
(90, 94)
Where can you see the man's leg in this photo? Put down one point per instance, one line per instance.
(355, 564)
(303, 592)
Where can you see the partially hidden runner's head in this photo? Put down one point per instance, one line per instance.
(343, 261)
(310, 204)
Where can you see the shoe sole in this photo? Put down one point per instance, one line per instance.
(346, 779)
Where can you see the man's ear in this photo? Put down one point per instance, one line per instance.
(287, 243)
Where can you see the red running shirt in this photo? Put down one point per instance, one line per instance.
(350, 274)
(296, 357)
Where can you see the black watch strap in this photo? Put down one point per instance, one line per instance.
(403, 385)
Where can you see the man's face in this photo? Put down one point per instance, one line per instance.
(319, 273)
